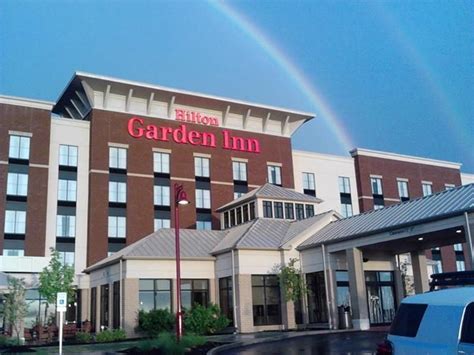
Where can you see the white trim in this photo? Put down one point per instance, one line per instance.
(182, 179)
(366, 197)
(406, 158)
(3, 162)
(118, 145)
(242, 160)
(402, 179)
(376, 176)
(222, 183)
(39, 166)
(274, 163)
(426, 182)
(141, 175)
(202, 155)
(96, 171)
(20, 133)
(22, 101)
(254, 186)
(161, 150)
(391, 199)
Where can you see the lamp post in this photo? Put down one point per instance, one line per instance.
(180, 198)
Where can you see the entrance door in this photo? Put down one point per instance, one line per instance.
(380, 296)
(317, 306)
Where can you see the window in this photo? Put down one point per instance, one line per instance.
(252, 210)
(226, 297)
(266, 300)
(203, 225)
(19, 147)
(436, 256)
(93, 313)
(117, 227)
(66, 226)
(238, 211)
(104, 305)
(299, 207)
(161, 195)
(13, 252)
(427, 188)
(278, 207)
(309, 211)
(467, 335)
(67, 190)
(17, 184)
(289, 211)
(238, 194)
(15, 222)
(201, 166)
(245, 213)
(449, 186)
(203, 198)
(267, 209)
(66, 257)
(460, 265)
(162, 223)
(226, 219)
(376, 184)
(194, 291)
(232, 217)
(342, 283)
(458, 247)
(309, 187)
(344, 185)
(408, 319)
(161, 163)
(346, 210)
(274, 175)
(117, 158)
(154, 294)
(67, 155)
(239, 171)
(117, 191)
(403, 190)
(116, 305)
(378, 207)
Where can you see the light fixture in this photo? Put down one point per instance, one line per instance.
(420, 239)
(458, 231)
(181, 197)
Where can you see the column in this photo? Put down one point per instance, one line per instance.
(420, 271)
(355, 267)
(399, 286)
(469, 232)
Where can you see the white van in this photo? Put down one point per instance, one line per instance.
(440, 322)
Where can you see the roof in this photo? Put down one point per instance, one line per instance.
(460, 296)
(272, 192)
(26, 102)
(441, 205)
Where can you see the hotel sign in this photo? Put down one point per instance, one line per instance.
(183, 135)
(195, 117)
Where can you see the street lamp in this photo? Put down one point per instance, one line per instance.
(180, 198)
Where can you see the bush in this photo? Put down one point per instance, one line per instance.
(155, 322)
(83, 337)
(6, 342)
(110, 335)
(201, 320)
(166, 343)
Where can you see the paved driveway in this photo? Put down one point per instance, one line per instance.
(351, 343)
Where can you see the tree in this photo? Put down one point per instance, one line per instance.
(15, 306)
(291, 281)
(56, 277)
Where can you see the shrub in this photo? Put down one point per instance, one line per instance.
(110, 335)
(166, 343)
(201, 320)
(7, 341)
(155, 322)
(83, 337)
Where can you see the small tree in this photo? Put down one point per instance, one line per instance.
(56, 277)
(15, 306)
(291, 281)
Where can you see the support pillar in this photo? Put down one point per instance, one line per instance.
(420, 271)
(355, 267)
(399, 287)
(469, 231)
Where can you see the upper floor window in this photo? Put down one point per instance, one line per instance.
(449, 186)
(460, 265)
(162, 223)
(117, 191)
(238, 194)
(344, 185)
(117, 227)
(378, 207)
(15, 222)
(278, 208)
(274, 174)
(376, 184)
(203, 225)
(161, 195)
(13, 252)
(161, 163)
(66, 257)
(427, 188)
(19, 147)
(289, 211)
(203, 198)
(201, 167)
(458, 247)
(346, 210)
(299, 208)
(17, 184)
(308, 183)
(403, 189)
(117, 158)
(309, 211)
(67, 190)
(267, 209)
(67, 155)
(239, 171)
(66, 226)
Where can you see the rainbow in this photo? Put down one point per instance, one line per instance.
(291, 69)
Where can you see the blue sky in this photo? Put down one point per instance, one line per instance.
(392, 75)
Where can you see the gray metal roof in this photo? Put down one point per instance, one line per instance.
(273, 192)
(433, 207)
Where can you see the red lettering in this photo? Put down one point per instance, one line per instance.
(214, 121)
(192, 136)
(164, 133)
(253, 145)
(226, 135)
(208, 140)
(135, 132)
(205, 120)
(238, 143)
(179, 135)
(151, 132)
(180, 115)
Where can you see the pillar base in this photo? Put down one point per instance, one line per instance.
(361, 324)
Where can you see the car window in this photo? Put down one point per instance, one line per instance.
(408, 319)
(467, 333)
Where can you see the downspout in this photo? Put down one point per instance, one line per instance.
(234, 301)
(328, 305)
(121, 292)
(469, 239)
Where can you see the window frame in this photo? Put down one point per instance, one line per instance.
(203, 168)
(160, 165)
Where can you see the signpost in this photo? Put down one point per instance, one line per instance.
(61, 306)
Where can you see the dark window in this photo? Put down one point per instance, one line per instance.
(289, 211)
(194, 291)
(252, 210)
(154, 294)
(239, 215)
(267, 209)
(408, 319)
(278, 209)
(226, 298)
(232, 217)
(266, 300)
(467, 333)
(116, 305)
(309, 211)
(93, 308)
(226, 219)
(245, 213)
(104, 305)
(299, 211)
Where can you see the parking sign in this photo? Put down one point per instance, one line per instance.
(61, 301)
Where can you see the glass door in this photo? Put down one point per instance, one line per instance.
(380, 296)
(317, 306)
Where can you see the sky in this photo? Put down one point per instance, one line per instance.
(395, 76)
